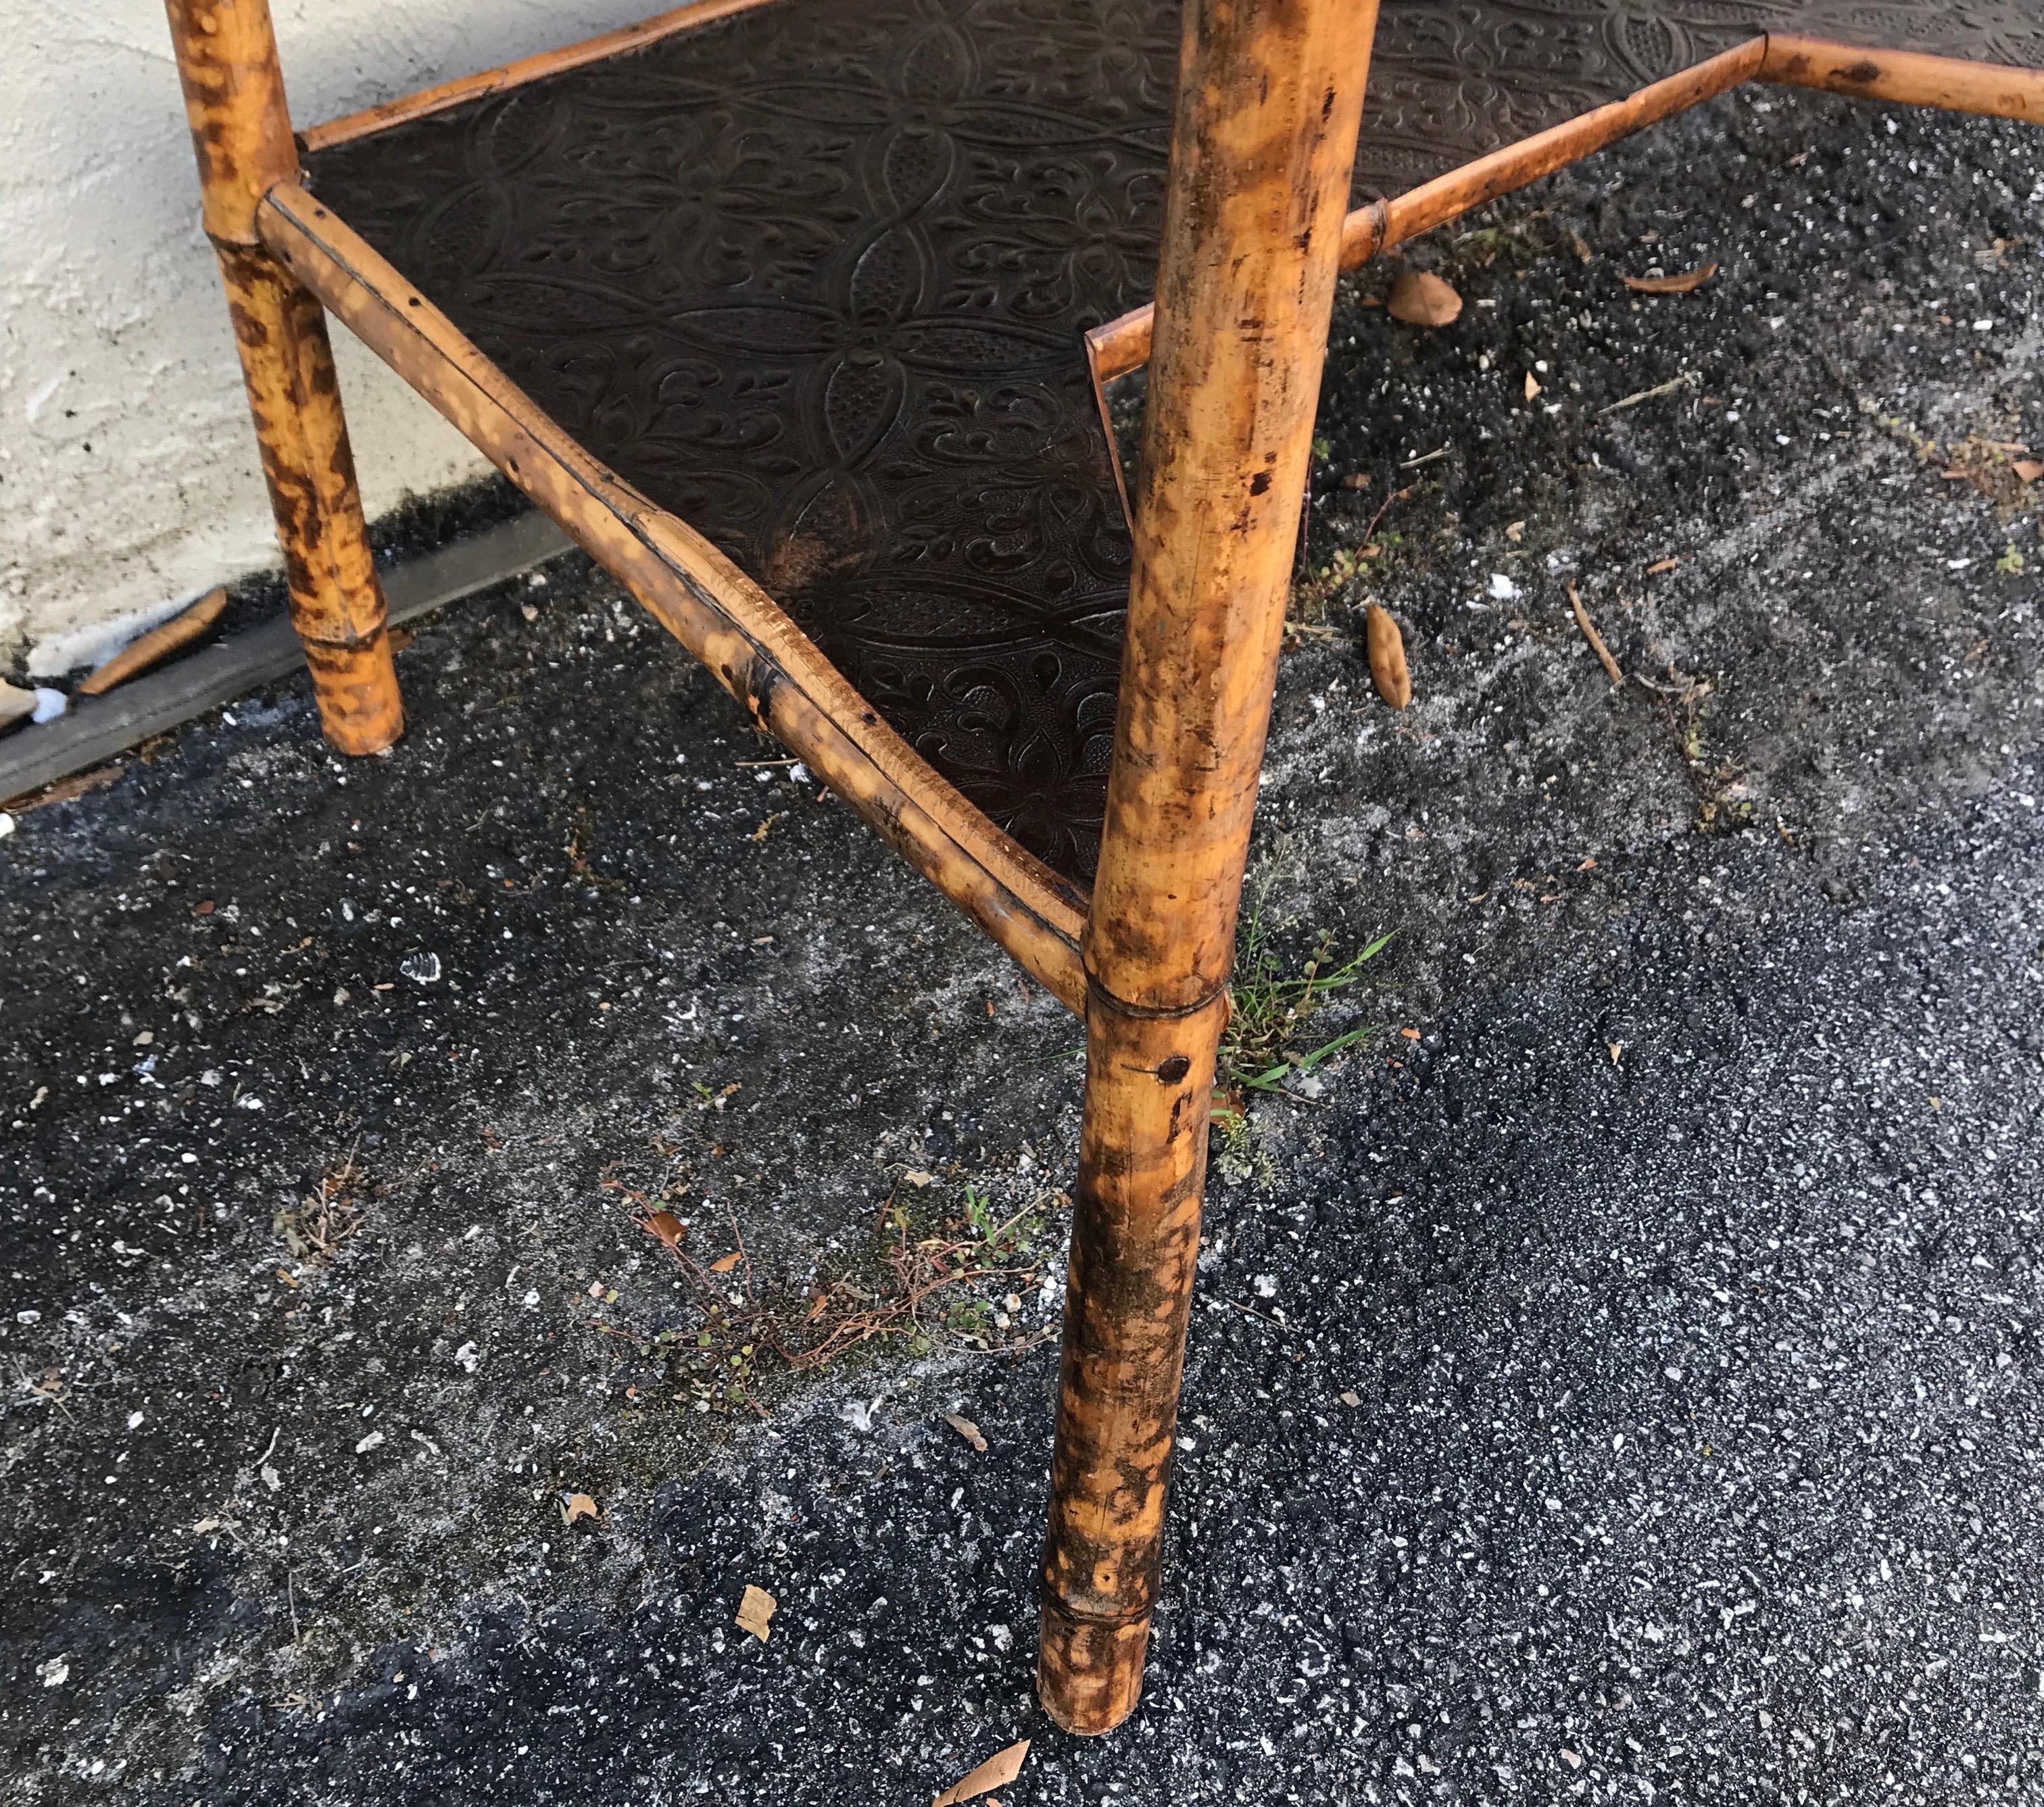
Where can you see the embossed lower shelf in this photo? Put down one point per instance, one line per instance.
(813, 277)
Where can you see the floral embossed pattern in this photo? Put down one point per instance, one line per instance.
(813, 278)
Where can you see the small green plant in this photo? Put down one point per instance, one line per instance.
(979, 1214)
(1524, 238)
(1272, 1005)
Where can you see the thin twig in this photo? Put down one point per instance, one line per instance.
(886, 1206)
(1681, 691)
(1289, 1097)
(1595, 638)
(1686, 380)
(1370, 532)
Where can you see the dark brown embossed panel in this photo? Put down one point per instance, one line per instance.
(813, 278)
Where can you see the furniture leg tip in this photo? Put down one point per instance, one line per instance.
(356, 689)
(1089, 1674)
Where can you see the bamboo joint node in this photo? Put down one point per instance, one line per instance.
(1098, 994)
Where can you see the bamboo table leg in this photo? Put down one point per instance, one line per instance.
(1264, 142)
(234, 98)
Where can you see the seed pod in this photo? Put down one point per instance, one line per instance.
(1387, 656)
(185, 629)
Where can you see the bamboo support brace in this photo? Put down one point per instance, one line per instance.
(429, 101)
(241, 132)
(698, 596)
(1371, 231)
(1263, 142)
(1123, 345)
(1999, 91)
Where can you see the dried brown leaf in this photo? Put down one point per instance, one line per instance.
(1386, 647)
(579, 1506)
(967, 1429)
(1661, 566)
(181, 630)
(755, 1608)
(1688, 281)
(1421, 299)
(1532, 385)
(666, 1226)
(997, 1771)
(725, 1263)
(2029, 470)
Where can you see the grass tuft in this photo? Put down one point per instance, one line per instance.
(1267, 1039)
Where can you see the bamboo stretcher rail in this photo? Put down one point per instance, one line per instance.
(723, 618)
(1263, 143)
(241, 132)
(1370, 230)
(439, 98)
(1123, 345)
(1999, 91)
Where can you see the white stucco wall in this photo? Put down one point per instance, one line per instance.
(128, 473)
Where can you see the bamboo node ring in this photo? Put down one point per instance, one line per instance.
(1108, 1001)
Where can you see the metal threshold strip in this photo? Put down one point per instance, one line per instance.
(101, 728)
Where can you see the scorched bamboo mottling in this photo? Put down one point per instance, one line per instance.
(1262, 146)
(241, 130)
(2000, 91)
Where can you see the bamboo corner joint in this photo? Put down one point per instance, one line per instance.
(1256, 225)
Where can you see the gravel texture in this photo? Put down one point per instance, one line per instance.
(1622, 1386)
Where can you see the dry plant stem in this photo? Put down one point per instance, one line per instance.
(234, 99)
(724, 619)
(1263, 143)
(1595, 638)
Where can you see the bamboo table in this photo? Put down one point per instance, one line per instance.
(795, 313)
